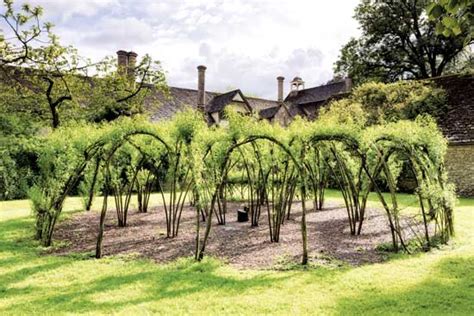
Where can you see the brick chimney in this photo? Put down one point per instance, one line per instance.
(122, 62)
(201, 102)
(132, 63)
(280, 80)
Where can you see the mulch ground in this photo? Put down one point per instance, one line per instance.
(237, 243)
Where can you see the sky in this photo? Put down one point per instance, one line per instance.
(244, 44)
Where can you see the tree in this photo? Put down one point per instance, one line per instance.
(397, 42)
(53, 80)
(33, 63)
(113, 92)
(380, 103)
(453, 17)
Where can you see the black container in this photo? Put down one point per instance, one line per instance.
(243, 215)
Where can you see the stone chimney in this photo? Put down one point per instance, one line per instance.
(122, 62)
(280, 80)
(348, 82)
(131, 64)
(201, 102)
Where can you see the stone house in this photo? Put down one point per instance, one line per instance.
(299, 101)
(212, 104)
(457, 125)
(303, 102)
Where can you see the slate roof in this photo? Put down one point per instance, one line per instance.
(298, 103)
(259, 104)
(268, 113)
(458, 124)
(178, 99)
(219, 102)
(172, 102)
(317, 94)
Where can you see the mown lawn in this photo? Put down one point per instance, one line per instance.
(439, 282)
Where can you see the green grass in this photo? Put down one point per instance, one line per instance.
(436, 283)
(22, 208)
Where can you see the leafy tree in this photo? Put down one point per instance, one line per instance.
(398, 41)
(45, 79)
(464, 63)
(380, 103)
(112, 92)
(453, 17)
(33, 63)
(18, 167)
(44, 83)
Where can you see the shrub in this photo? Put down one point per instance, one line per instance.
(383, 103)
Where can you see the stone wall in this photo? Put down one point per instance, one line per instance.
(460, 168)
(457, 124)
(282, 117)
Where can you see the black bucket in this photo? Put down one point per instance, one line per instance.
(243, 215)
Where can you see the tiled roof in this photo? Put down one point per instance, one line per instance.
(178, 99)
(268, 113)
(458, 124)
(258, 104)
(219, 102)
(317, 94)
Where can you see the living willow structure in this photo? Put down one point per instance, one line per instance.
(268, 166)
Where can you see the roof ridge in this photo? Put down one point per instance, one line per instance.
(324, 85)
(455, 75)
(221, 93)
(189, 89)
(229, 92)
(257, 98)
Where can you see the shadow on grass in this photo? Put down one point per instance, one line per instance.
(448, 289)
(19, 253)
(158, 284)
(27, 284)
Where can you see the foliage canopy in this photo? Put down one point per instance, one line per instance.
(276, 165)
(398, 41)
